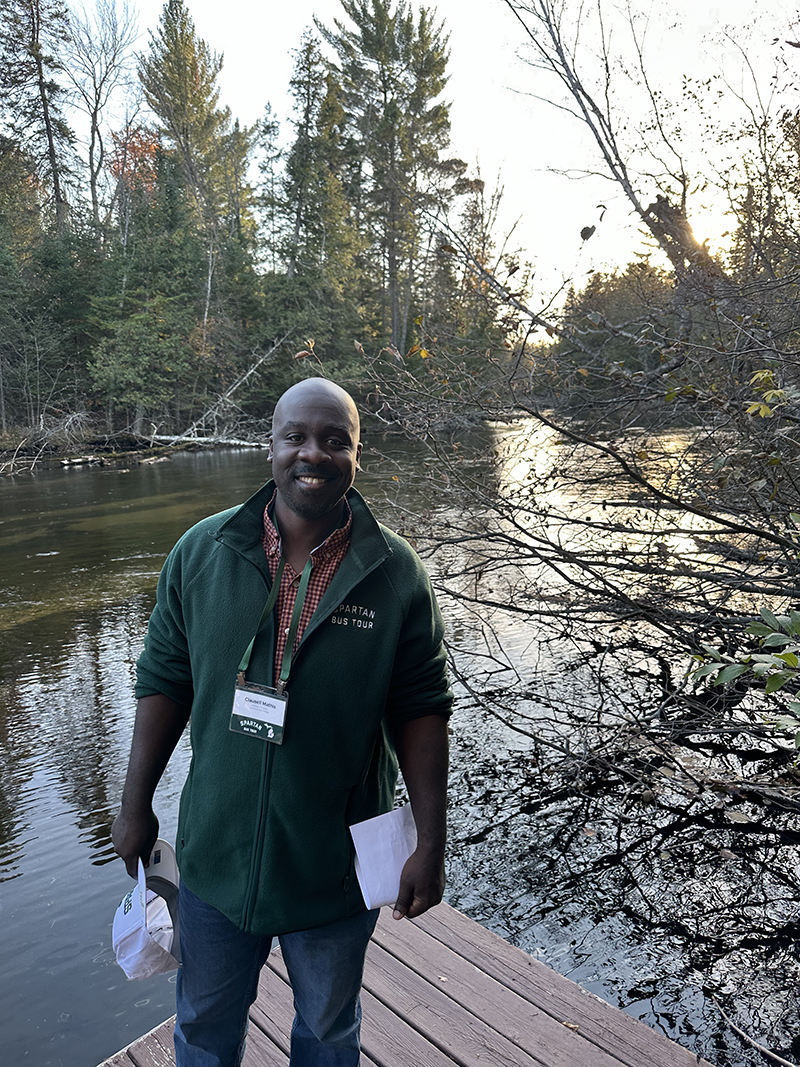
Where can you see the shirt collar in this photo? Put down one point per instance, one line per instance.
(336, 541)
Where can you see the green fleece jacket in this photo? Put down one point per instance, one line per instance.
(263, 828)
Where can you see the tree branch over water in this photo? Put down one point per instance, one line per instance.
(617, 491)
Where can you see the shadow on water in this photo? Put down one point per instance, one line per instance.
(573, 862)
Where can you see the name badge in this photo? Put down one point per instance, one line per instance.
(258, 711)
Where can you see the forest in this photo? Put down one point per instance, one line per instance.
(146, 266)
(639, 514)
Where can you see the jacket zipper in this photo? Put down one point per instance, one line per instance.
(258, 844)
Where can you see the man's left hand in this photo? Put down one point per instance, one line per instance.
(421, 885)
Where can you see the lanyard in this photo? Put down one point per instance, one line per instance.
(288, 651)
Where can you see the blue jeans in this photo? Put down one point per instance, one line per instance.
(218, 981)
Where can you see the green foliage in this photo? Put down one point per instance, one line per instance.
(146, 316)
(33, 34)
(179, 79)
(169, 275)
(21, 198)
(148, 358)
(774, 668)
(392, 65)
(616, 311)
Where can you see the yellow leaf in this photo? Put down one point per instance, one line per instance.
(583, 371)
(418, 320)
(413, 349)
(424, 353)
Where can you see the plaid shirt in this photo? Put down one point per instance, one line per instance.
(325, 562)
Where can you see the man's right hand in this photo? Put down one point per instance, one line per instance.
(134, 836)
(159, 723)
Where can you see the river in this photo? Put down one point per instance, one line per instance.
(80, 551)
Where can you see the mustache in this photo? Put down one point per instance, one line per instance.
(312, 472)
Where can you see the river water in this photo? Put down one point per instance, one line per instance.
(80, 551)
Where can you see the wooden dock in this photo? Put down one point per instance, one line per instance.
(443, 990)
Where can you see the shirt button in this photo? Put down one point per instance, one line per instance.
(286, 631)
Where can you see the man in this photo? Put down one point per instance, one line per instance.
(304, 640)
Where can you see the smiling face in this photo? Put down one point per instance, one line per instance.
(314, 448)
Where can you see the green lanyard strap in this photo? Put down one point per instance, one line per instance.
(269, 607)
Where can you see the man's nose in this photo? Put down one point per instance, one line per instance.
(314, 451)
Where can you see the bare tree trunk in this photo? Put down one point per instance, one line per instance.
(61, 206)
(3, 425)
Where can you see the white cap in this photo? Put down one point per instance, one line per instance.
(145, 931)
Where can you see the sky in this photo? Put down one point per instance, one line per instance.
(497, 122)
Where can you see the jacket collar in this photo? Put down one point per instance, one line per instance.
(368, 547)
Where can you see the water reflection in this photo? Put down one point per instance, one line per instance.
(560, 831)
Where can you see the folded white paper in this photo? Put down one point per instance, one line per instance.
(383, 845)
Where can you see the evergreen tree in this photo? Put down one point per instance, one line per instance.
(269, 200)
(393, 71)
(178, 76)
(179, 79)
(21, 198)
(320, 241)
(148, 361)
(32, 101)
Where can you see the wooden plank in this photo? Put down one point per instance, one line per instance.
(525, 1025)
(441, 991)
(261, 1051)
(273, 1010)
(119, 1059)
(470, 1042)
(629, 1040)
(391, 1042)
(139, 1051)
(152, 1051)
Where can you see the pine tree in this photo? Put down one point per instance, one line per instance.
(33, 34)
(320, 240)
(269, 200)
(147, 360)
(179, 76)
(393, 71)
(309, 212)
(179, 79)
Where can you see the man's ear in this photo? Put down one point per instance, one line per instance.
(358, 455)
(269, 447)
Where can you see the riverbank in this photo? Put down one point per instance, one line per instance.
(28, 453)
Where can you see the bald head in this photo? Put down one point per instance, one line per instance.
(318, 392)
